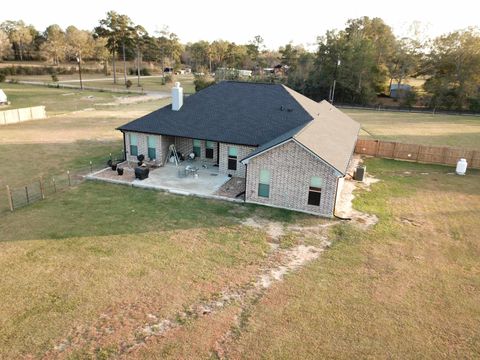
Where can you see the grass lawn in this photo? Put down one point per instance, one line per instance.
(426, 129)
(153, 83)
(102, 252)
(408, 288)
(56, 101)
(64, 142)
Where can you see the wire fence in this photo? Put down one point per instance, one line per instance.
(15, 197)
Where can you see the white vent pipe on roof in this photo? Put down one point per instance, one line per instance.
(177, 97)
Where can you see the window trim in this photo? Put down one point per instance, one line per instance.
(232, 159)
(312, 190)
(133, 144)
(209, 152)
(264, 186)
(197, 149)
(149, 148)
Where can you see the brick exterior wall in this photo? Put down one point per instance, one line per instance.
(161, 146)
(242, 152)
(291, 168)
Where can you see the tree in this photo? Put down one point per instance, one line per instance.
(453, 70)
(117, 30)
(80, 45)
(139, 36)
(55, 45)
(20, 35)
(5, 45)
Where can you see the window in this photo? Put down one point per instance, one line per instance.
(133, 144)
(315, 191)
(196, 148)
(209, 149)
(152, 152)
(232, 158)
(264, 184)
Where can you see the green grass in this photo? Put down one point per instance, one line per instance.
(125, 252)
(56, 101)
(153, 83)
(407, 288)
(426, 129)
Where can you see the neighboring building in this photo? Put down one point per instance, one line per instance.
(292, 151)
(399, 92)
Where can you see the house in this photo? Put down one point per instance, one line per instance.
(399, 91)
(291, 152)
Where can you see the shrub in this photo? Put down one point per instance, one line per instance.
(128, 84)
(143, 72)
(2, 77)
(201, 82)
(54, 78)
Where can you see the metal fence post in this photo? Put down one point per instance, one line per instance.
(54, 185)
(26, 193)
(10, 200)
(91, 166)
(69, 181)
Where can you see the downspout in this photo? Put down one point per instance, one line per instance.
(335, 204)
(124, 148)
(246, 178)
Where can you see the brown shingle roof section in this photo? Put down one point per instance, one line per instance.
(331, 135)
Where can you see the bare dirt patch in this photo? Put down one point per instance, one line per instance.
(344, 207)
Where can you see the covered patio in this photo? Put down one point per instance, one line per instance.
(188, 178)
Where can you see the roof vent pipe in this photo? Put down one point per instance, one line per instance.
(177, 97)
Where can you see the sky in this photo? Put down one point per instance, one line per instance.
(278, 22)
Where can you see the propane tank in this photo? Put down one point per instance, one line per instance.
(461, 167)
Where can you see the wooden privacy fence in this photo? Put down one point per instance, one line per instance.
(420, 153)
(24, 114)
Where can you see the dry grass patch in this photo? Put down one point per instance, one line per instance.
(405, 289)
(93, 292)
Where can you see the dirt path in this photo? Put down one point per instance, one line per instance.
(344, 207)
(278, 263)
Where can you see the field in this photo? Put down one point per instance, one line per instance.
(87, 272)
(66, 141)
(147, 83)
(408, 287)
(427, 129)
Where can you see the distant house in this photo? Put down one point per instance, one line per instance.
(399, 91)
(290, 152)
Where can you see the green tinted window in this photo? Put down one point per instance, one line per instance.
(264, 190)
(133, 139)
(196, 142)
(264, 177)
(316, 182)
(151, 141)
(209, 144)
(232, 151)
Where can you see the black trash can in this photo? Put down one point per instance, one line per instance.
(119, 171)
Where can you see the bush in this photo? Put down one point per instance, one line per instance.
(143, 72)
(54, 78)
(2, 77)
(128, 84)
(201, 82)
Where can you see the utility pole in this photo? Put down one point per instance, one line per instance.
(79, 60)
(332, 90)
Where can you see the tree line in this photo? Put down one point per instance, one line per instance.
(356, 64)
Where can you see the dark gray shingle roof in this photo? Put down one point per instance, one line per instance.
(231, 112)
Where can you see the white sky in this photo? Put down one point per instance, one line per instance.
(278, 22)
